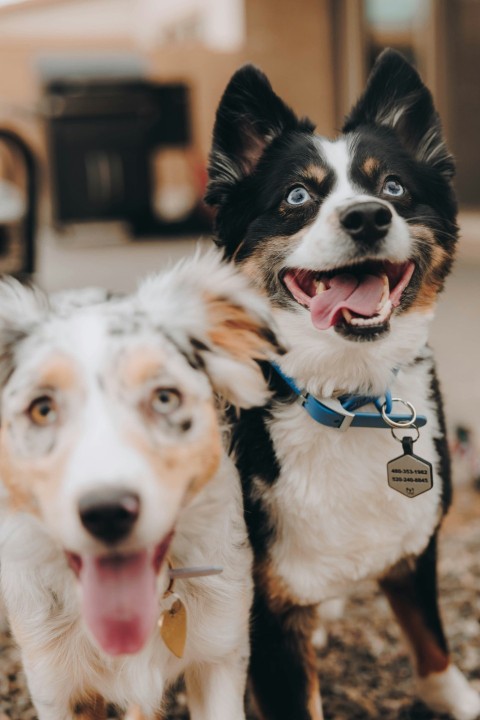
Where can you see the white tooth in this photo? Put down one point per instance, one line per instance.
(376, 319)
(362, 321)
(321, 287)
(386, 310)
(385, 293)
(347, 315)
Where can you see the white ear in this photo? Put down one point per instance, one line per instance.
(20, 308)
(20, 304)
(242, 385)
(211, 311)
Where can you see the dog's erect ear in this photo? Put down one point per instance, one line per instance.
(249, 117)
(20, 308)
(396, 97)
(223, 326)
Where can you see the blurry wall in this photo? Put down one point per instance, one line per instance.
(292, 47)
(464, 60)
(80, 18)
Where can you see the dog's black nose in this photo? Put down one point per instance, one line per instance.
(366, 221)
(109, 515)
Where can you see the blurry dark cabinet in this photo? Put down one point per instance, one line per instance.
(101, 137)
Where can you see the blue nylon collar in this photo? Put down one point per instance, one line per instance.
(339, 413)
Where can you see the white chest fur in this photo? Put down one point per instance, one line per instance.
(61, 661)
(336, 518)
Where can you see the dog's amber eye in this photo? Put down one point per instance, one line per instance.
(165, 400)
(43, 411)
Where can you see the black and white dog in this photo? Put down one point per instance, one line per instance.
(352, 240)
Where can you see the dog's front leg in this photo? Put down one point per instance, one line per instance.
(216, 691)
(135, 713)
(412, 593)
(54, 698)
(91, 708)
(283, 662)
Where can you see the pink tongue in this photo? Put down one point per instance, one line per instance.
(360, 295)
(119, 600)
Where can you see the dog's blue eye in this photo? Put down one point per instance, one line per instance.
(298, 196)
(392, 187)
(165, 400)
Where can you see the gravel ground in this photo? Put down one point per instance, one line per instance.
(364, 669)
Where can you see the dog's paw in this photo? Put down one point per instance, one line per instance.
(331, 610)
(133, 713)
(327, 612)
(450, 692)
(320, 637)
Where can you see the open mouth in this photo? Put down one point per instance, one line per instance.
(119, 595)
(359, 298)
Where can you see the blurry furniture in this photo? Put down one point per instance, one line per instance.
(102, 138)
(18, 204)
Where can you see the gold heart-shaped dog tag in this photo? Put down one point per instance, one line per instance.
(173, 628)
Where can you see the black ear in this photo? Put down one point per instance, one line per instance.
(396, 97)
(249, 117)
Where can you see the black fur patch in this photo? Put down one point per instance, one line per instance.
(256, 460)
(441, 443)
(279, 667)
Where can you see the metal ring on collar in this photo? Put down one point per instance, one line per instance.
(401, 423)
(413, 427)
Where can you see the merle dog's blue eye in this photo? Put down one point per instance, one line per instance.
(165, 400)
(298, 196)
(392, 187)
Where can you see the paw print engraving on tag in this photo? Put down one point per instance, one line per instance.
(410, 475)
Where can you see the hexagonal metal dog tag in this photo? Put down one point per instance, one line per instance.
(409, 474)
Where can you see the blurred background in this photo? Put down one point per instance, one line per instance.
(106, 110)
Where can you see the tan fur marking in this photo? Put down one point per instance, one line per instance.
(315, 172)
(33, 482)
(134, 713)
(141, 366)
(302, 621)
(279, 596)
(186, 466)
(269, 255)
(234, 330)
(90, 706)
(370, 166)
(20, 496)
(432, 284)
(429, 657)
(314, 702)
(58, 372)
